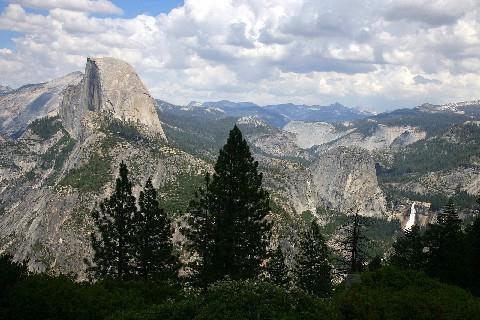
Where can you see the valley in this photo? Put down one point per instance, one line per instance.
(62, 141)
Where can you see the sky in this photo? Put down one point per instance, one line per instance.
(373, 54)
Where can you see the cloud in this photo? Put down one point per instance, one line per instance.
(422, 14)
(366, 52)
(100, 6)
(422, 80)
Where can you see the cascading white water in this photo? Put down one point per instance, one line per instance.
(411, 219)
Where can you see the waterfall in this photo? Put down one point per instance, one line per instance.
(411, 219)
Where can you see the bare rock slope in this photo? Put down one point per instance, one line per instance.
(21, 106)
(111, 87)
(54, 173)
(345, 180)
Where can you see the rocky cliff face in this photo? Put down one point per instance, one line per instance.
(21, 106)
(54, 173)
(112, 88)
(345, 180)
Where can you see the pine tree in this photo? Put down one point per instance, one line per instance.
(445, 242)
(153, 245)
(313, 269)
(354, 242)
(277, 270)
(409, 250)
(375, 263)
(473, 252)
(228, 229)
(199, 236)
(112, 245)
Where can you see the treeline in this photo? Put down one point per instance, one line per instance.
(227, 264)
(443, 250)
(226, 233)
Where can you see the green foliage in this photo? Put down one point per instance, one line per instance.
(432, 123)
(408, 250)
(46, 127)
(388, 293)
(124, 130)
(197, 135)
(456, 147)
(277, 271)
(10, 273)
(443, 250)
(313, 272)
(472, 242)
(227, 227)
(354, 243)
(152, 238)
(90, 177)
(253, 300)
(58, 153)
(446, 250)
(395, 294)
(461, 198)
(176, 194)
(39, 297)
(113, 245)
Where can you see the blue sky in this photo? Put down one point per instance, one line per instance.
(374, 54)
(132, 8)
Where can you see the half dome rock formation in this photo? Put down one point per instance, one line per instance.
(110, 87)
(345, 180)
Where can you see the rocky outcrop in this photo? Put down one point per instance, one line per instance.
(21, 106)
(324, 136)
(309, 134)
(49, 186)
(110, 87)
(344, 179)
(58, 169)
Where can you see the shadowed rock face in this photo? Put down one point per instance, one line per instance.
(19, 107)
(111, 87)
(345, 180)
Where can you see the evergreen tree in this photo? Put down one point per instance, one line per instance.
(228, 229)
(313, 269)
(375, 263)
(473, 247)
(445, 242)
(277, 270)
(354, 242)
(153, 244)
(408, 250)
(112, 245)
(199, 235)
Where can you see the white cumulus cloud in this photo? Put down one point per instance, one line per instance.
(371, 53)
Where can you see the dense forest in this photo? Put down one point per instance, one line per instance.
(230, 264)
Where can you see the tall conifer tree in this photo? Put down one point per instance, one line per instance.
(446, 256)
(354, 242)
(228, 229)
(409, 250)
(313, 269)
(277, 270)
(153, 245)
(112, 244)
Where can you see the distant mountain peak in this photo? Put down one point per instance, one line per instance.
(193, 104)
(453, 107)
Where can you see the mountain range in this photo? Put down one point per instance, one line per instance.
(61, 143)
